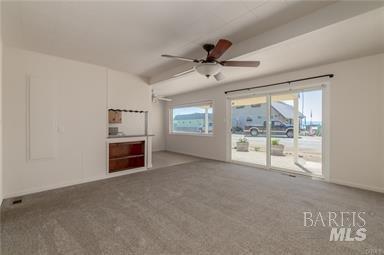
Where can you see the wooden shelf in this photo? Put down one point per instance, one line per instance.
(126, 155)
(132, 156)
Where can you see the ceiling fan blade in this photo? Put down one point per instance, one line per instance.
(219, 76)
(183, 73)
(164, 99)
(221, 47)
(241, 63)
(180, 58)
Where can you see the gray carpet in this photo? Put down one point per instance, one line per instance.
(161, 159)
(203, 207)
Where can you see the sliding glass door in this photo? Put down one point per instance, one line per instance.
(249, 128)
(279, 131)
(310, 142)
(284, 119)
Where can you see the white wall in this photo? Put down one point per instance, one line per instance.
(1, 113)
(382, 119)
(356, 120)
(129, 92)
(82, 120)
(157, 124)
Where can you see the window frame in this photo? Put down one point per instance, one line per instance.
(195, 104)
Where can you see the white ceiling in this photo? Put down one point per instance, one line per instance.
(131, 36)
(358, 36)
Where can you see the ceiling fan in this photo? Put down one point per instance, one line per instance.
(212, 66)
(156, 98)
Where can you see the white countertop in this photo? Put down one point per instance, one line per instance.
(127, 136)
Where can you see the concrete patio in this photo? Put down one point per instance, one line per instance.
(309, 154)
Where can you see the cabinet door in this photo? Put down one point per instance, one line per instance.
(111, 116)
(118, 117)
(114, 117)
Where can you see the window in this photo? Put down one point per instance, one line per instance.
(193, 119)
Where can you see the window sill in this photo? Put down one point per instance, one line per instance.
(191, 134)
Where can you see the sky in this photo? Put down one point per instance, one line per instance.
(312, 102)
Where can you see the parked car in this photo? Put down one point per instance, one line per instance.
(277, 128)
(237, 130)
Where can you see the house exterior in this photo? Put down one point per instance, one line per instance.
(255, 114)
(194, 122)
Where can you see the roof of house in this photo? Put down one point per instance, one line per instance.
(192, 116)
(285, 109)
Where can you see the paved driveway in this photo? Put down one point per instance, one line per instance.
(307, 144)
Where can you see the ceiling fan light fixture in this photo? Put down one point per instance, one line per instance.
(208, 69)
(219, 76)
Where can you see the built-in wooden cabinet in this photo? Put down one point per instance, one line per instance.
(114, 116)
(126, 155)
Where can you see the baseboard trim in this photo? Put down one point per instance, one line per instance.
(72, 183)
(356, 185)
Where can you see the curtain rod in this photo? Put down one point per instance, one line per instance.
(280, 83)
